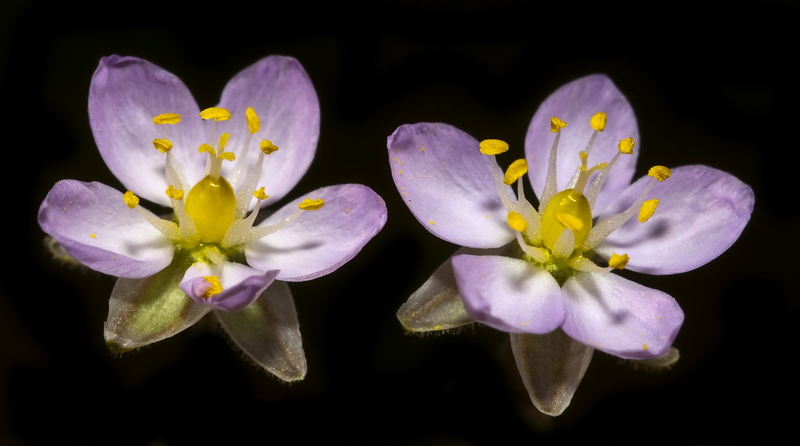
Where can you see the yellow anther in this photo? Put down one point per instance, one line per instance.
(493, 146)
(131, 200)
(311, 205)
(167, 118)
(570, 221)
(223, 141)
(517, 169)
(598, 121)
(267, 147)
(205, 148)
(648, 209)
(214, 289)
(259, 194)
(216, 113)
(253, 123)
(227, 156)
(517, 222)
(618, 261)
(162, 145)
(175, 194)
(556, 124)
(626, 146)
(660, 173)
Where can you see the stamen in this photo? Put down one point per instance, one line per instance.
(493, 146)
(581, 263)
(267, 147)
(517, 169)
(538, 254)
(626, 146)
(516, 221)
(167, 118)
(131, 200)
(168, 228)
(311, 205)
(259, 194)
(647, 210)
(214, 289)
(175, 194)
(215, 113)
(618, 261)
(556, 124)
(239, 229)
(162, 145)
(253, 123)
(551, 180)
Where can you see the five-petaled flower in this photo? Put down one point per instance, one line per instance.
(544, 273)
(215, 169)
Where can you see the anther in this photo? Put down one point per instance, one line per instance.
(517, 169)
(493, 146)
(215, 113)
(131, 200)
(556, 124)
(598, 121)
(253, 123)
(259, 194)
(618, 261)
(267, 147)
(167, 118)
(626, 146)
(647, 210)
(214, 288)
(660, 173)
(517, 222)
(311, 205)
(162, 145)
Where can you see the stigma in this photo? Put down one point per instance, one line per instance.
(560, 234)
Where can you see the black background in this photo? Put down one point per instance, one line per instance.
(711, 83)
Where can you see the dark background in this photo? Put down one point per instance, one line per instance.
(711, 83)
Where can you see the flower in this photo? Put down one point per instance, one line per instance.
(213, 169)
(546, 274)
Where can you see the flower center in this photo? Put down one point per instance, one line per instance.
(562, 233)
(211, 204)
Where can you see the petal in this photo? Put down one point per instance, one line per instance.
(509, 294)
(701, 212)
(318, 242)
(92, 222)
(269, 333)
(124, 96)
(281, 93)
(241, 285)
(620, 317)
(575, 103)
(552, 366)
(448, 184)
(436, 305)
(143, 311)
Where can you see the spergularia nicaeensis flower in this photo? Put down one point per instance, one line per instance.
(214, 170)
(544, 271)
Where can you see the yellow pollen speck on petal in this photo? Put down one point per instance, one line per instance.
(648, 209)
(131, 200)
(175, 194)
(626, 146)
(556, 124)
(493, 146)
(598, 121)
(517, 169)
(267, 147)
(93, 235)
(253, 123)
(645, 347)
(311, 205)
(570, 221)
(259, 194)
(215, 113)
(162, 145)
(205, 148)
(516, 221)
(214, 289)
(660, 173)
(422, 149)
(227, 156)
(618, 261)
(432, 222)
(167, 118)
